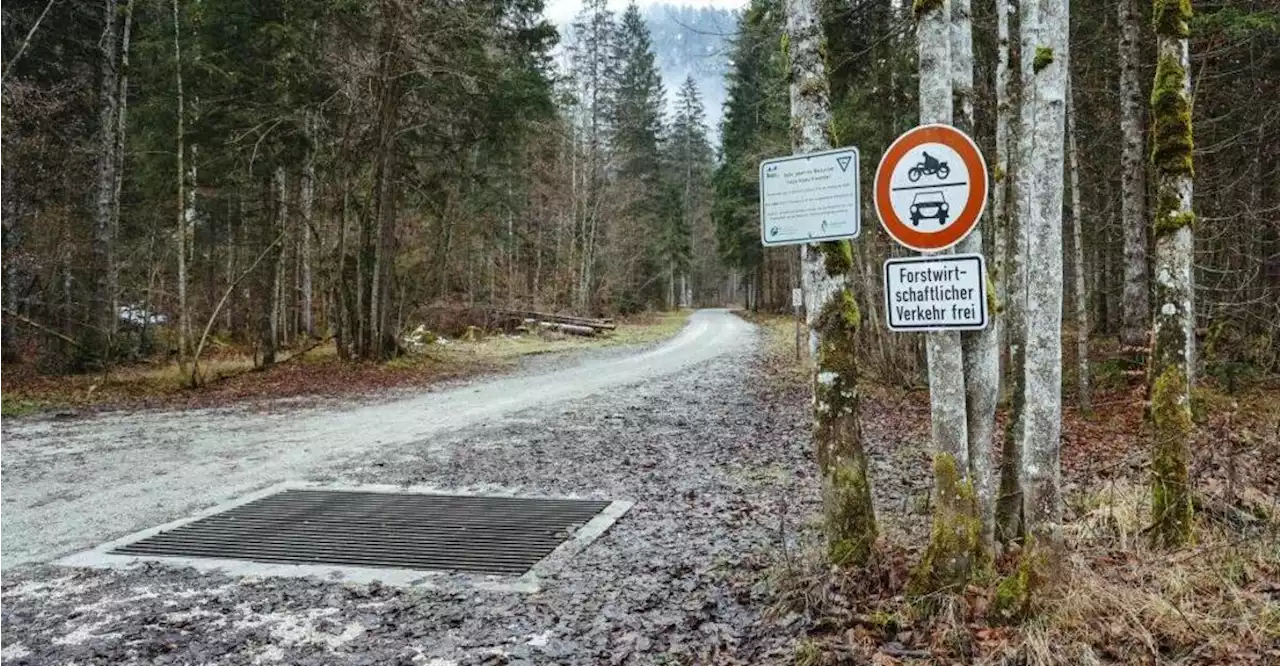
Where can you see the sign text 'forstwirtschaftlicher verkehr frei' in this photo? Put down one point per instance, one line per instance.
(940, 293)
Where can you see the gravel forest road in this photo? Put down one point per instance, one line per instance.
(69, 485)
(694, 432)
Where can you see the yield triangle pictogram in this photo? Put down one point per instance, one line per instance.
(844, 162)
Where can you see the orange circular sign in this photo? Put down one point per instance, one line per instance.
(931, 187)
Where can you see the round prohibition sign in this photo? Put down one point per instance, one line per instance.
(931, 188)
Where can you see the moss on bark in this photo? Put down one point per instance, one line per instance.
(846, 491)
(1171, 141)
(1015, 593)
(1171, 221)
(1170, 493)
(1043, 58)
(1172, 18)
(956, 535)
(921, 7)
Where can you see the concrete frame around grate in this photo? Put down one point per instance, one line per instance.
(101, 557)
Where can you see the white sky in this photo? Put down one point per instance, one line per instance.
(561, 12)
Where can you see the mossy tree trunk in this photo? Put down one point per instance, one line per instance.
(949, 558)
(1171, 164)
(832, 314)
(1042, 415)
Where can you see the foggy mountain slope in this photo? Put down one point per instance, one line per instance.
(693, 41)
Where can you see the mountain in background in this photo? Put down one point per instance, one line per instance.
(693, 41)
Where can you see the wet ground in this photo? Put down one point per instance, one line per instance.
(714, 455)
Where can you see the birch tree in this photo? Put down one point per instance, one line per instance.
(833, 316)
(954, 539)
(1171, 164)
(1134, 306)
(1041, 433)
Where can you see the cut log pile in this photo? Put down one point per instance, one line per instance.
(559, 323)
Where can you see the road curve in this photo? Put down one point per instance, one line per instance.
(69, 485)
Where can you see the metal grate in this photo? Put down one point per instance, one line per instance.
(488, 535)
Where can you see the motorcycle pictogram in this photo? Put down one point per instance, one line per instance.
(930, 166)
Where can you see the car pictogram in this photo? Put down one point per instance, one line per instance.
(929, 205)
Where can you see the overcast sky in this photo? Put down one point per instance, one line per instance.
(561, 12)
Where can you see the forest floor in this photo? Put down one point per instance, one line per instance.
(719, 561)
(313, 372)
(1117, 601)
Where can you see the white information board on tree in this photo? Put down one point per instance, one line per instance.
(810, 198)
(939, 293)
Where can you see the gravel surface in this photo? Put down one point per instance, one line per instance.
(710, 460)
(71, 484)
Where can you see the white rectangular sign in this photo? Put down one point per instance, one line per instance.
(939, 293)
(797, 298)
(810, 198)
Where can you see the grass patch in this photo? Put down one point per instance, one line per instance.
(17, 406)
(230, 377)
(779, 331)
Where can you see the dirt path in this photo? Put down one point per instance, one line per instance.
(69, 485)
(710, 459)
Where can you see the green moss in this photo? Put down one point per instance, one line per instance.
(1015, 593)
(1171, 138)
(846, 493)
(1171, 222)
(999, 173)
(785, 44)
(1172, 18)
(1044, 58)
(1171, 424)
(850, 520)
(11, 407)
(921, 7)
(837, 257)
(948, 561)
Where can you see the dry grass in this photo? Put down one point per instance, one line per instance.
(1119, 601)
(1115, 600)
(229, 377)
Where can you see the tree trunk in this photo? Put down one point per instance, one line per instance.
(1172, 357)
(1133, 304)
(100, 333)
(1041, 435)
(947, 562)
(342, 332)
(981, 351)
(1077, 238)
(272, 330)
(183, 203)
(304, 240)
(1000, 201)
(1009, 521)
(833, 318)
(121, 126)
(9, 236)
